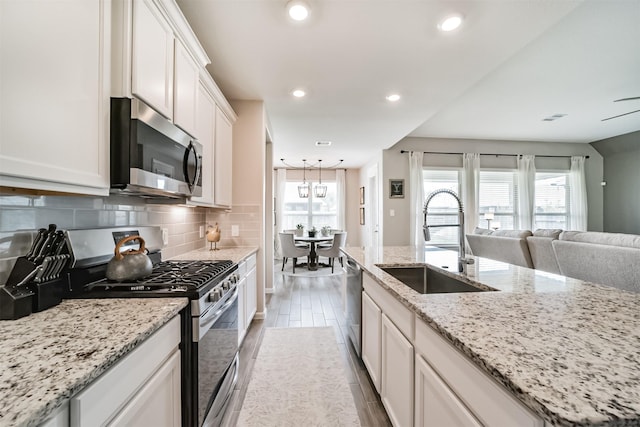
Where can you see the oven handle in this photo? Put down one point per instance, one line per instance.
(205, 322)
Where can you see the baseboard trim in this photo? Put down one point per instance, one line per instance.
(261, 315)
(269, 290)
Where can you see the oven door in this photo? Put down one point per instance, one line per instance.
(217, 350)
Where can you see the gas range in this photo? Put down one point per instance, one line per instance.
(92, 249)
(191, 279)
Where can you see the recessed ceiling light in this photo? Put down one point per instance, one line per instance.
(298, 10)
(393, 97)
(299, 93)
(450, 23)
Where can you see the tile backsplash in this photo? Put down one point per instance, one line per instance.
(247, 218)
(32, 212)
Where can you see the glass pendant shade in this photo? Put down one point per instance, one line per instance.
(320, 190)
(303, 190)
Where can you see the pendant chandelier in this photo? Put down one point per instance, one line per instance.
(320, 190)
(303, 189)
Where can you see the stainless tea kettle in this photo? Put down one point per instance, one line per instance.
(129, 265)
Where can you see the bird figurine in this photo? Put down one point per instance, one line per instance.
(213, 237)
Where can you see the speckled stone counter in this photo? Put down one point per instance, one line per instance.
(236, 254)
(567, 349)
(49, 356)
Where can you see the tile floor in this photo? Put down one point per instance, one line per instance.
(308, 301)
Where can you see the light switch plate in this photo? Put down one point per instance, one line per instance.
(392, 212)
(201, 231)
(235, 230)
(165, 236)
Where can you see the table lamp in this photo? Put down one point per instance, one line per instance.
(489, 217)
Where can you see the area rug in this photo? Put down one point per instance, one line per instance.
(298, 379)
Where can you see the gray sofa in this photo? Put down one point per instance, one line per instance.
(607, 258)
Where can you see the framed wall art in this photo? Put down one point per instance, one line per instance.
(396, 188)
(362, 195)
(361, 216)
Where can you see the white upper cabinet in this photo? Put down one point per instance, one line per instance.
(185, 90)
(223, 160)
(152, 57)
(55, 74)
(205, 132)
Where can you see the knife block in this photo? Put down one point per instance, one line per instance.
(19, 299)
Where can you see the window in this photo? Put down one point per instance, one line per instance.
(498, 194)
(310, 212)
(552, 200)
(443, 209)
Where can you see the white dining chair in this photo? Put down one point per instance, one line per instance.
(333, 252)
(290, 250)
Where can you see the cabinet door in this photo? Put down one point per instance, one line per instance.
(158, 402)
(436, 405)
(153, 59)
(252, 296)
(396, 375)
(223, 160)
(242, 307)
(55, 73)
(185, 90)
(371, 344)
(205, 125)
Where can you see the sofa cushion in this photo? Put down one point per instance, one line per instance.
(606, 264)
(521, 234)
(542, 255)
(548, 232)
(485, 231)
(513, 250)
(609, 239)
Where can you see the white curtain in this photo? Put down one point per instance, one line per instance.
(281, 186)
(341, 197)
(416, 188)
(470, 190)
(526, 191)
(577, 195)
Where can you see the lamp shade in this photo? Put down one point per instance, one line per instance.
(488, 215)
(303, 190)
(320, 191)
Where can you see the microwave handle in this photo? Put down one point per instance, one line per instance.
(190, 182)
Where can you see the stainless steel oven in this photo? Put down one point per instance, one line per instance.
(215, 338)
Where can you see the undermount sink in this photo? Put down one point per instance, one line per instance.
(427, 281)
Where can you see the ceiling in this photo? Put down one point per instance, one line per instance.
(511, 64)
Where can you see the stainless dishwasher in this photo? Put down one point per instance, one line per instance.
(354, 304)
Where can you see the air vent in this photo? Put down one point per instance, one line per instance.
(553, 117)
(323, 143)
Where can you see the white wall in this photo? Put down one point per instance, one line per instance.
(396, 166)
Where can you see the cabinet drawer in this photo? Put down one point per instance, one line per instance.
(489, 401)
(400, 315)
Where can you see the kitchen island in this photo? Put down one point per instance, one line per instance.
(50, 356)
(566, 349)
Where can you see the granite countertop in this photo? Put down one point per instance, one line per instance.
(47, 357)
(235, 254)
(567, 349)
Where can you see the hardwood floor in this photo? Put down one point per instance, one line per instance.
(308, 301)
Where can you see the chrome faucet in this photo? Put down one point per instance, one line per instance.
(462, 260)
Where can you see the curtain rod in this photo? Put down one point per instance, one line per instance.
(487, 154)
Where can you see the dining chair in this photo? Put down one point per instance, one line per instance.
(290, 250)
(298, 244)
(333, 252)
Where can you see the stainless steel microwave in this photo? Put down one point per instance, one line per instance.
(150, 156)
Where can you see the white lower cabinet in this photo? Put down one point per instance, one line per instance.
(143, 388)
(465, 393)
(436, 405)
(396, 374)
(247, 295)
(371, 338)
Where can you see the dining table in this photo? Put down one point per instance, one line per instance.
(312, 265)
